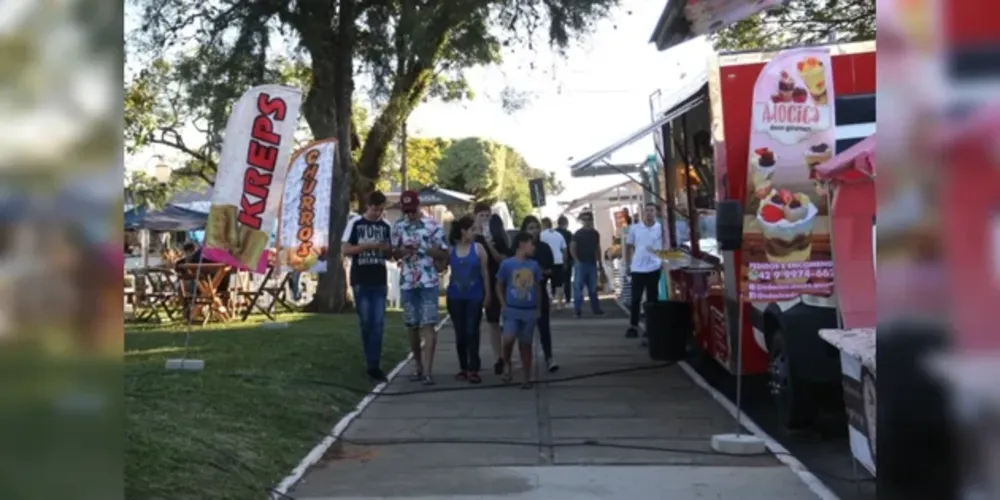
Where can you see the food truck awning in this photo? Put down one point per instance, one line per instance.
(857, 162)
(683, 101)
(683, 20)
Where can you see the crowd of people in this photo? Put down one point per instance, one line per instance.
(512, 282)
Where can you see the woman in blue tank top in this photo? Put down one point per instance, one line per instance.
(468, 290)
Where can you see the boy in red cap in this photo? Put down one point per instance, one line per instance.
(418, 241)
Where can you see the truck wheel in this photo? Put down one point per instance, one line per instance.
(796, 407)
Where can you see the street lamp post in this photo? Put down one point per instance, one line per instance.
(161, 172)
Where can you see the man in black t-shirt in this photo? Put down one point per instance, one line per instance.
(367, 241)
(586, 251)
(496, 252)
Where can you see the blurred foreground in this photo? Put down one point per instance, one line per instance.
(60, 319)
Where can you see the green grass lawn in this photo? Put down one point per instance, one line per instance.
(239, 427)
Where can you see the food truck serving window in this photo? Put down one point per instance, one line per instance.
(855, 119)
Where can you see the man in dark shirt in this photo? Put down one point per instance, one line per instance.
(367, 241)
(567, 282)
(496, 251)
(585, 250)
(546, 262)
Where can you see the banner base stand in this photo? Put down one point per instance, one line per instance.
(738, 444)
(274, 325)
(195, 365)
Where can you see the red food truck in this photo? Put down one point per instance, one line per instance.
(772, 118)
(753, 128)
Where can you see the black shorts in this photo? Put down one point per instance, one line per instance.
(557, 277)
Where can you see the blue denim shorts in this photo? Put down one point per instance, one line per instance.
(519, 323)
(420, 307)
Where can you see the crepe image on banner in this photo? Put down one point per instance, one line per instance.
(221, 230)
(252, 245)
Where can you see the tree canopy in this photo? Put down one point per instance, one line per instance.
(802, 22)
(408, 49)
(492, 172)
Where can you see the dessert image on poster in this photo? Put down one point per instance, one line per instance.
(787, 228)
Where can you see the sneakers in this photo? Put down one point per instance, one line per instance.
(631, 333)
(377, 375)
(577, 314)
(551, 365)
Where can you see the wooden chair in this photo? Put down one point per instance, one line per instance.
(275, 285)
(153, 293)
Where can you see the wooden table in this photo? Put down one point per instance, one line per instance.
(205, 296)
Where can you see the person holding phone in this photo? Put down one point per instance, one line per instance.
(418, 244)
(366, 240)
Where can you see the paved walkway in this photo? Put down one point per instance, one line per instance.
(639, 434)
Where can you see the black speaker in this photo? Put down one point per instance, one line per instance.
(729, 225)
(668, 328)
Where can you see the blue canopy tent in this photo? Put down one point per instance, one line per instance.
(170, 218)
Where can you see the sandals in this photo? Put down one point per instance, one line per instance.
(474, 378)
(462, 376)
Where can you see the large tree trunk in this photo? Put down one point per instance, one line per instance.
(328, 112)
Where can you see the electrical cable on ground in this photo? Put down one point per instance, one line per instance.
(367, 390)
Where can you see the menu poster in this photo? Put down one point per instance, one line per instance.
(786, 240)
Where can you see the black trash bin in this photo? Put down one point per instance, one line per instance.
(668, 328)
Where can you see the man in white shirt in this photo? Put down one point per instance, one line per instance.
(641, 243)
(557, 243)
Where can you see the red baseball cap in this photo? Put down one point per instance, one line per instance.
(409, 201)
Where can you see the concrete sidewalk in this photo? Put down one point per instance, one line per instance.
(639, 434)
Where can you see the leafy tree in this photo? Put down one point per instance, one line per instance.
(802, 22)
(475, 166)
(168, 100)
(143, 189)
(423, 154)
(515, 190)
(411, 49)
(492, 172)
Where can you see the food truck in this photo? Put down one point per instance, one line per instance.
(754, 128)
(774, 118)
